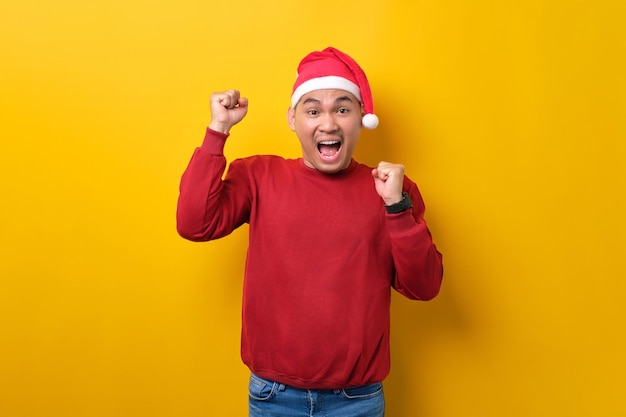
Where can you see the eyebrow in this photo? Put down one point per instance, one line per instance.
(337, 100)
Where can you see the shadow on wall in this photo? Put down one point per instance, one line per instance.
(416, 326)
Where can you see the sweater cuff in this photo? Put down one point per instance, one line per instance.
(402, 223)
(214, 142)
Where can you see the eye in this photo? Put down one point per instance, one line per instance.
(343, 110)
(312, 112)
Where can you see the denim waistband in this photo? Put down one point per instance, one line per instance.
(281, 386)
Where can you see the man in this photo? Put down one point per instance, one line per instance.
(329, 238)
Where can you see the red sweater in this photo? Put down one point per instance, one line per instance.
(322, 257)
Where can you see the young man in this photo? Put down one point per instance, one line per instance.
(329, 238)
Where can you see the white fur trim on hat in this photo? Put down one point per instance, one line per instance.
(324, 83)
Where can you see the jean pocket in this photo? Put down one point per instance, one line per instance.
(260, 389)
(363, 392)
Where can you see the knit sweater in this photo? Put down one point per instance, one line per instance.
(323, 256)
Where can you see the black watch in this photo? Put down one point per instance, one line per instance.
(400, 206)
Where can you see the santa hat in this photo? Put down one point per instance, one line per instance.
(333, 69)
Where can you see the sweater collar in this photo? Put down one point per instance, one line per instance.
(340, 174)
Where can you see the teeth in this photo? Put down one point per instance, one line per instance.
(329, 142)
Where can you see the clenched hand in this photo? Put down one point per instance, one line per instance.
(227, 109)
(388, 179)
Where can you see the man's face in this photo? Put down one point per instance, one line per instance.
(328, 124)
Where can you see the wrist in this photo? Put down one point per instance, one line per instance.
(393, 200)
(220, 127)
(404, 204)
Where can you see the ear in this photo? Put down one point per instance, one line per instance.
(291, 118)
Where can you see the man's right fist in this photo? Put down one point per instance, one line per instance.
(227, 109)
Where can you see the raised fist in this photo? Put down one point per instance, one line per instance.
(227, 109)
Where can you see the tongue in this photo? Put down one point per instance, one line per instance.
(328, 150)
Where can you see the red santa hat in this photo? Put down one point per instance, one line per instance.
(333, 69)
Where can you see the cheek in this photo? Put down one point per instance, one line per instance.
(307, 141)
(302, 128)
(353, 122)
(354, 129)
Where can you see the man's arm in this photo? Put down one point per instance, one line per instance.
(418, 264)
(209, 208)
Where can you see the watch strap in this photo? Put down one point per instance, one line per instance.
(400, 206)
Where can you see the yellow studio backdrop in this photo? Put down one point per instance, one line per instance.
(509, 115)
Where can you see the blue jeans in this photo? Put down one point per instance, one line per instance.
(272, 399)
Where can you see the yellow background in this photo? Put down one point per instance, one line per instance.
(510, 115)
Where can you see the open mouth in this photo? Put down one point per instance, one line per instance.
(329, 149)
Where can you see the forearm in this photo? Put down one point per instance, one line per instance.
(418, 263)
(200, 189)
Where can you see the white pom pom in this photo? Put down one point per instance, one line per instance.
(370, 121)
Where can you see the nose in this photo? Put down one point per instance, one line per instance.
(328, 122)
